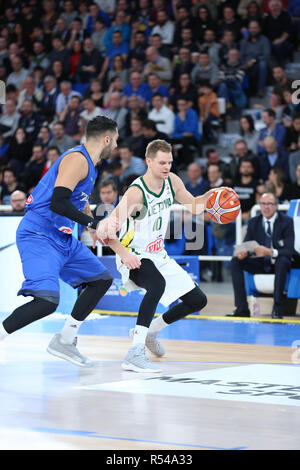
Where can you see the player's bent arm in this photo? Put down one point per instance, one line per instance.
(196, 205)
(130, 202)
(130, 260)
(72, 169)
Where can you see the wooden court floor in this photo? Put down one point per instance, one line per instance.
(209, 396)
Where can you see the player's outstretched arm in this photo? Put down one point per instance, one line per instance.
(130, 202)
(196, 205)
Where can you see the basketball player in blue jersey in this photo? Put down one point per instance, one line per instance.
(49, 251)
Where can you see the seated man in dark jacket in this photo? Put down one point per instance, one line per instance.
(274, 232)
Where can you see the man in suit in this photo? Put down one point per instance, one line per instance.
(274, 232)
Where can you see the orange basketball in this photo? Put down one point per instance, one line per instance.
(223, 206)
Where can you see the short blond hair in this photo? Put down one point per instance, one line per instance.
(156, 146)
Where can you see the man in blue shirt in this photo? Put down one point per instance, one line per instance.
(196, 184)
(272, 129)
(118, 47)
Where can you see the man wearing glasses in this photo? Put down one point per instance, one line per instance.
(274, 232)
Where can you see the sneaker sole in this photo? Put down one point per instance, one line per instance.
(67, 358)
(133, 368)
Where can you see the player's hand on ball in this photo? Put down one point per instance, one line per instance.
(131, 261)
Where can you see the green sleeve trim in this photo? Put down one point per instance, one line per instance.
(171, 186)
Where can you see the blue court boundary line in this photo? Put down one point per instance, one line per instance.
(95, 435)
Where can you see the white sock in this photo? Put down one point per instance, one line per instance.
(70, 330)
(139, 335)
(3, 332)
(157, 324)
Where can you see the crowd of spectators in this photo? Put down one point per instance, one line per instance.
(159, 68)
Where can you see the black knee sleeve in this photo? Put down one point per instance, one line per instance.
(89, 297)
(195, 299)
(28, 313)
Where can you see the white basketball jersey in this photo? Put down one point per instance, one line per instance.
(144, 233)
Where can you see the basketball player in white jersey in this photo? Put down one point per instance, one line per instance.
(142, 218)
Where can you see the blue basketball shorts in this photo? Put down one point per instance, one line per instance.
(48, 255)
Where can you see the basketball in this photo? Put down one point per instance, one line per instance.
(223, 206)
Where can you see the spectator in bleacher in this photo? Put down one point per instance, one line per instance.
(44, 137)
(95, 92)
(294, 161)
(213, 158)
(115, 86)
(57, 70)
(60, 140)
(50, 96)
(98, 34)
(272, 128)
(90, 62)
(40, 57)
(211, 46)
(202, 22)
(281, 80)
(28, 91)
(186, 90)
(76, 33)
(183, 18)
(291, 107)
(9, 184)
(118, 70)
(164, 27)
(162, 115)
(204, 70)
(4, 54)
(117, 112)
(138, 45)
(120, 25)
(158, 64)
(135, 110)
(69, 14)
(155, 86)
(151, 132)
(109, 198)
(61, 30)
(60, 53)
(90, 110)
(9, 119)
(231, 77)
(187, 41)
(245, 186)
(183, 65)
(65, 96)
(274, 233)
(39, 34)
(118, 47)
(75, 57)
(34, 167)
(292, 135)
(70, 117)
(49, 18)
(248, 132)
(136, 86)
(94, 13)
(19, 151)
(136, 139)
(255, 54)
(51, 156)
(243, 8)
(164, 50)
(230, 22)
(294, 187)
(277, 26)
(273, 157)
(214, 176)
(208, 110)
(30, 120)
(242, 152)
(18, 74)
(186, 136)
(17, 202)
(21, 38)
(278, 179)
(130, 163)
(196, 183)
(227, 42)
(293, 9)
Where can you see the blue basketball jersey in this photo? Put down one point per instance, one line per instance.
(38, 203)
